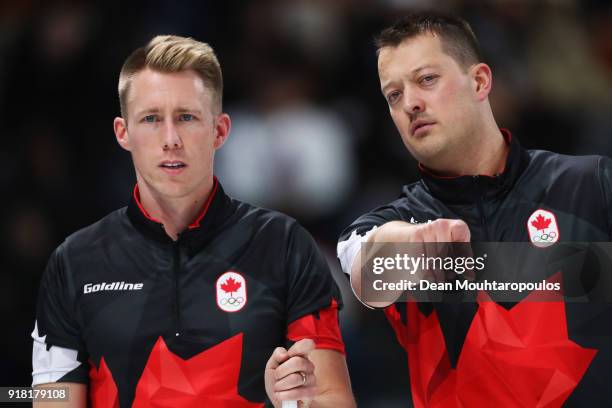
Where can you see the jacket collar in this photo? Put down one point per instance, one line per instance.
(470, 188)
(215, 210)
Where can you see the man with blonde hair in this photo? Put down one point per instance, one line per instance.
(187, 297)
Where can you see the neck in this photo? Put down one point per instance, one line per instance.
(175, 213)
(489, 157)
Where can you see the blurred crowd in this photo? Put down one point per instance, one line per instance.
(311, 132)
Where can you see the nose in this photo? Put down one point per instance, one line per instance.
(172, 140)
(413, 103)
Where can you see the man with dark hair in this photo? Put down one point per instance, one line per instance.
(479, 185)
(186, 297)
(457, 38)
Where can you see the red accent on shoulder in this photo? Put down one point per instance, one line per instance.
(196, 223)
(208, 379)
(516, 357)
(102, 390)
(142, 209)
(324, 330)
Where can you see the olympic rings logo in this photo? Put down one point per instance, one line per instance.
(233, 301)
(544, 237)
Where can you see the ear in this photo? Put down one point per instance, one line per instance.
(482, 79)
(121, 133)
(223, 124)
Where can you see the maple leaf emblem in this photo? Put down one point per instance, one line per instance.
(230, 286)
(208, 379)
(541, 223)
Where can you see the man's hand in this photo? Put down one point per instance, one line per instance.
(290, 375)
(438, 231)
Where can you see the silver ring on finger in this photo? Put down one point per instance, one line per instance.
(303, 374)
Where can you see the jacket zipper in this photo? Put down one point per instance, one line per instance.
(479, 206)
(176, 268)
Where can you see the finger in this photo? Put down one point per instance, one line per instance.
(295, 394)
(442, 235)
(430, 237)
(420, 246)
(294, 380)
(278, 357)
(302, 348)
(429, 232)
(464, 250)
(460, 232)
(432, 264)
(443, 239)
(294, 365)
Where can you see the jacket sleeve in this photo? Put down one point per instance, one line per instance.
(351, 238)
(58, 353)
(313, 298)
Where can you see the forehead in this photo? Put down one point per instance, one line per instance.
(412, 53)
(155, 89)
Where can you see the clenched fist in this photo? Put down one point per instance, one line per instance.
(433, 239)
(290, 375)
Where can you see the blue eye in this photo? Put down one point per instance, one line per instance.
(149, 119)
(186, 117)
(428, 79)
(393, 97)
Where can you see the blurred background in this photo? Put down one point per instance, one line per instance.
(311, 132)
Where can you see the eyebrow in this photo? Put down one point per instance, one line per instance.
(422, 67)
(178, 110)
(145, 111)
(192, 110)
(413, 72)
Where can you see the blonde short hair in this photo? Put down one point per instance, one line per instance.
(171, 53)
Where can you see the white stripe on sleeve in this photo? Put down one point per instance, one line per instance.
(347, 250)
(50, 365)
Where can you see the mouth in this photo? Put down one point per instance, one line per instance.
(420, 126)
(172, 166)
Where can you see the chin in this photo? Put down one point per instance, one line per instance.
(426, 151)
(172, 191)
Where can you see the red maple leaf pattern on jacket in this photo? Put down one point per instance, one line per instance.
(230, 286)
(541, 223)
(208, 379)
(520, 357)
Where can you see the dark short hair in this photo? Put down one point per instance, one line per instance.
(456, 35)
